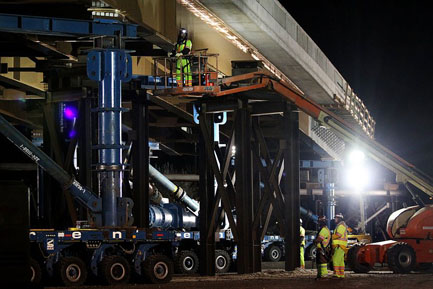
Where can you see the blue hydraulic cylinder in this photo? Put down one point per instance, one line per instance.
(308, 214)
(109, 67)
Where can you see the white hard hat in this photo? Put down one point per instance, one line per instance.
(300, 221)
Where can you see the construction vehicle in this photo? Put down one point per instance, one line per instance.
(411, 247)
(106, 245)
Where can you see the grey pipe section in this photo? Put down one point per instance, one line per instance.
(165, 185)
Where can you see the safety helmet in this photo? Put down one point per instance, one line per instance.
(300, 221)
(322, 219)
(183, 34)
(339, 215)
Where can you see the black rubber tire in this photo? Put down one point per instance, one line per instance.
(71, 271)
(310, 252)
(353, 261)
(187, 262)
(114, 270)
(157, 269)
(401, 258)
(222, 261)
(273, 253)
(35, 272)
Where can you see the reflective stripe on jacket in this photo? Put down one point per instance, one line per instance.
(302, 234)
(324, 237)
(339, 237)
(184, 44)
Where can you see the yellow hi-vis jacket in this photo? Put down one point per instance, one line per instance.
(302, 234)
(184, 44)
(339, 237)
(324, 237)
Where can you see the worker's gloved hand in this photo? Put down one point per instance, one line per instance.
(179, 54)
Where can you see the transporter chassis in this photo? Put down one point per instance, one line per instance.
(114, 255)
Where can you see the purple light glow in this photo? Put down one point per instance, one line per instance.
(72, 134)
(70, 112)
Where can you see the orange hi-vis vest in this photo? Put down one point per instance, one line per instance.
(339, 237)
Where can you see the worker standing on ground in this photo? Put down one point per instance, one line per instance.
(339, 246)
(302, 237)
(182, 50)
(322, 241)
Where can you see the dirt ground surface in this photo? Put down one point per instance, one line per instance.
(305, 279)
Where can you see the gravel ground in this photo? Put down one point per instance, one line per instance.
(278, 278)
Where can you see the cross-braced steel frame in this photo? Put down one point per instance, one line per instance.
(238, 191)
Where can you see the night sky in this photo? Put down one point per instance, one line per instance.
(384, 49)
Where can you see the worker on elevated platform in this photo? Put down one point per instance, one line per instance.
(182, 50)
(302, 237)
(323, 244)
(339, 246)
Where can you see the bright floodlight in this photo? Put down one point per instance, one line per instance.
(356, 157)
(357, 176)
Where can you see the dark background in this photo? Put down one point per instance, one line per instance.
(384, 49)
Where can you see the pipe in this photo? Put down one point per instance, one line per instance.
(167, 186)
(308, 214)
(171, 216)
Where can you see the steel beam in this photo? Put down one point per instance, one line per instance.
(140, 151)
(9, 82)
(172, 108)
(207, 244)
(220, 175)
(63, 27)
(85, 140)
(291, 186)
(247, 251)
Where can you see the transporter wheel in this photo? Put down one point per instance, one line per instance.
(401, 258)
(35, 272)
(353, 260)
(222, 261)
(157, 269)
(310, 252)
(71, 271)
(187, 262)
(114, 270)
(273, 253)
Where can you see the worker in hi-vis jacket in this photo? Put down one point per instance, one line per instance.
(183, 64)
(339, 246)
